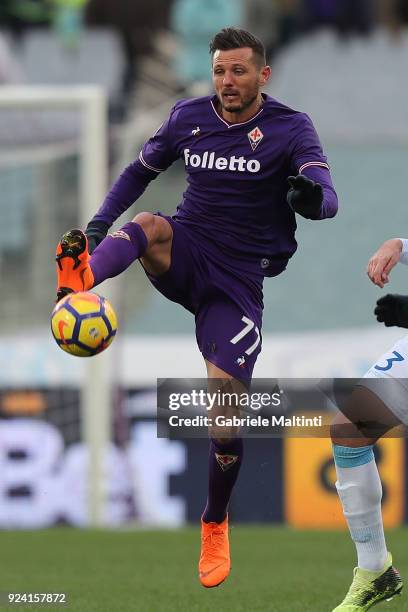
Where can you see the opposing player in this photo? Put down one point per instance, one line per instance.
(235, 225)
(378, 404)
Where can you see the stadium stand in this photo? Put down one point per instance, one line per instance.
(357, 80)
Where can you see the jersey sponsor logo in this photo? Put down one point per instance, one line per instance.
(209, 160)
(397, 357)
(196, 131)
(225, 461)
(255, 136)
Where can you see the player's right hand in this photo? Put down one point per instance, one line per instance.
(95, 232)
(382, 262)
(392, 309)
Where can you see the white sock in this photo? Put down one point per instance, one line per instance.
(360, 493)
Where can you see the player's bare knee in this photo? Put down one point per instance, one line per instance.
(146, 222)
(156, 228)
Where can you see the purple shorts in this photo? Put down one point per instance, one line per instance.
(227, 304)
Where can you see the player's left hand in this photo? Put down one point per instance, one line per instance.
(305, 196)
(392, 309)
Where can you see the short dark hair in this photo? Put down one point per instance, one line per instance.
(234, 38)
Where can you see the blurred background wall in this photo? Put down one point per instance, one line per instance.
(342, 62)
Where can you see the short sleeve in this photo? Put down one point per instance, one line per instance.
(159, 152)
(305, 149)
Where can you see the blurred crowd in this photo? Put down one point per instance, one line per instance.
(192, 23)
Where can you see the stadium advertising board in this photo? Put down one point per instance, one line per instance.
(155, 480)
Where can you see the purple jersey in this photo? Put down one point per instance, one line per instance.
(237, 178)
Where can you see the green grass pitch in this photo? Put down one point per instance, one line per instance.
(274, 569)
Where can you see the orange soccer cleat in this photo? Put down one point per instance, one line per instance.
(215, 563)
(73, 270)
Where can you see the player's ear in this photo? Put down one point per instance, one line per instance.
(265, 75)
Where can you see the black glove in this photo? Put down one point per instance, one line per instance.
(305, 196)
(96, 231)
(392, 309)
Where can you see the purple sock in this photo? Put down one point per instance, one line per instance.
(117, 251)
(224, 464)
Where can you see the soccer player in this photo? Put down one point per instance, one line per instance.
(378, 404)
(252, 163)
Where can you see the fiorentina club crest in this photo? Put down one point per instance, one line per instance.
(255, 136)
(225, 461)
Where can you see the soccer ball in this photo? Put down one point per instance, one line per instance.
(83, 324)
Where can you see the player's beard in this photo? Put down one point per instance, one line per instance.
(239, 108)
